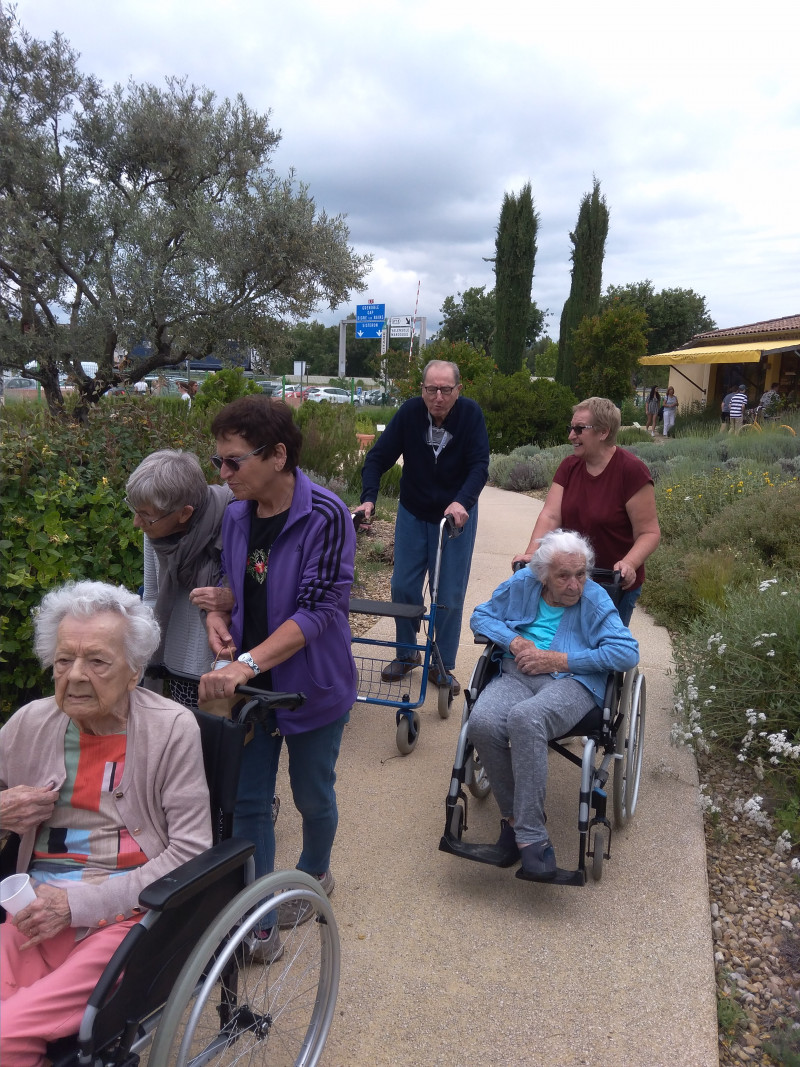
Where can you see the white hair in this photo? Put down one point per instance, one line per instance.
(557, 543)
(82, 600)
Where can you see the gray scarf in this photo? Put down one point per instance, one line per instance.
(192, 559)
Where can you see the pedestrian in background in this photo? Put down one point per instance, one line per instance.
(738, 403)
(670, 410)
(652, 407)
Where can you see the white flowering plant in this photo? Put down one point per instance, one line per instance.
(738, 688)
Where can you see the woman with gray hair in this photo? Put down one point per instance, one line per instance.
(559, 635)
(605, 493)
(104, 784)
(181, 518)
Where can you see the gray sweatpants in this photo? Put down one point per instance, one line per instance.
(525, 711)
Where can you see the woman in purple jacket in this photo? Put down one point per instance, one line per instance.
(288, 548)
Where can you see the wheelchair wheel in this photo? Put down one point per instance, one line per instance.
(597, 863)
(408, 733)
(630, 744)
(456, 826)
(224, 1009)
(477, 779)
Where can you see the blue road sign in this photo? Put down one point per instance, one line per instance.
(370, 312)
(369, 329)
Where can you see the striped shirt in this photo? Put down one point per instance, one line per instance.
(737, 405)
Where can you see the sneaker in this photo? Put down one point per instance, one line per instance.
(399, 668)
(295, 912)
(538, 861)
(266, 949)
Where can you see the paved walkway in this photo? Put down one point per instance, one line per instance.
(447, 962)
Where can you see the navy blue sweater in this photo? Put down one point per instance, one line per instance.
(429, 484)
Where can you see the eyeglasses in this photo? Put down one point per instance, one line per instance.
(578, 430)
(445, 390)
(144, 519)
(234, 462)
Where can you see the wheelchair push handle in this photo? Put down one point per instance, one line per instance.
(267, 698)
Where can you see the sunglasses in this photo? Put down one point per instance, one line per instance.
(578, 430)
(234, 462)
(445, 390)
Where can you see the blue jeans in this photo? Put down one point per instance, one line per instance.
(415, 544)
(312, 775)
(627, 603)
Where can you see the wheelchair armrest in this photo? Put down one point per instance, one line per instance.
(480, 639)
(195, 875)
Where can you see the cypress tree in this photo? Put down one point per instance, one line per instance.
(588, 249)
(515, 253)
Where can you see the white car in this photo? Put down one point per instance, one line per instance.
(329, 394)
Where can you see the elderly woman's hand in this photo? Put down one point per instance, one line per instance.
(24, 807)
(533, 660)
(47, 916)
(212, 598)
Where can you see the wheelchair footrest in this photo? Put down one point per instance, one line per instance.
(491, 854)
(562, 877)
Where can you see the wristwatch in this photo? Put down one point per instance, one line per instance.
(250, 662)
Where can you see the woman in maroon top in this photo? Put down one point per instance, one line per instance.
(606, 494)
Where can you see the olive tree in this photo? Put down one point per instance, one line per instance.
(145, 217)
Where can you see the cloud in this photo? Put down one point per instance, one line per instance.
(413, 118)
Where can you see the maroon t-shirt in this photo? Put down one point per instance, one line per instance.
(594, 505)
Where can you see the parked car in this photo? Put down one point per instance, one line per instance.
(272, 388)
(19, 388)
(325, 394)
(381, 397)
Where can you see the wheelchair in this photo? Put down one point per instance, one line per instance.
(179, 990)
(612, 742)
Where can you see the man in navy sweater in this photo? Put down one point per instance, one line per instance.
(445, 448)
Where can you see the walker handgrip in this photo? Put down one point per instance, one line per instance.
(452, 529)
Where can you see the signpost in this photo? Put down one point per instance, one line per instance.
(370, 319)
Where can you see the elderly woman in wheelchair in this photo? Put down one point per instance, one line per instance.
(559, 636)
(103, 783)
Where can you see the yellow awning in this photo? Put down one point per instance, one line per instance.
(745, 352)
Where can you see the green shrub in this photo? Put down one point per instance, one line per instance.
(519, 411)
(632, 436)
(737, 675)
(522, 473)
(329, 447)
(631, 413)
(221, 388)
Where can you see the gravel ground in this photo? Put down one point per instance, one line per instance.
(755, 911)
(754, 897)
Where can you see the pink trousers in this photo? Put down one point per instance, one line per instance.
(44, 990)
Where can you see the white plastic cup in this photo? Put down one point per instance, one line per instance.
(16, 893)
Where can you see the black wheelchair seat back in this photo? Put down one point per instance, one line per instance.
(154, 952)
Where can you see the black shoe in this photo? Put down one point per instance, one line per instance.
(506, 847)
(538, 862)
(399, 668)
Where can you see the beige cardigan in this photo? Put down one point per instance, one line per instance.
(162, 798)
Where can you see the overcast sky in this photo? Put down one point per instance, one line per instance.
(413, 118)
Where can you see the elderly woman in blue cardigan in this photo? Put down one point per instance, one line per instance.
(560, 635)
